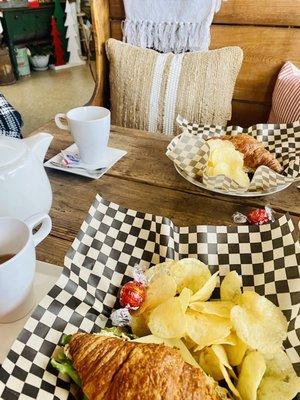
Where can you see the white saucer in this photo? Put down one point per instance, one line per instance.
(111, 156)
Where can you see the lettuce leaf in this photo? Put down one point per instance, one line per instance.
(64, 365)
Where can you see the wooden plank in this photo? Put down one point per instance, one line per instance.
(53, 250)
(116, 9)
(251, 12)
(246, 114)
(265, 51)
(73, 196)
(146, 162)
(260, 12)
(144, 180)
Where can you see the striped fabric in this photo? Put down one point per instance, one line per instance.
(286, 96)
(155, 91)
(149, 89)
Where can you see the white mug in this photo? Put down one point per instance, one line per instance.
(17, 273)
(90, 127)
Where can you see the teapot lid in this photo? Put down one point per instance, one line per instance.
(11, 150)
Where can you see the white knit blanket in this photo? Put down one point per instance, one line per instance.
(169, 25)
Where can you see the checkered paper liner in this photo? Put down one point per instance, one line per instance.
(112, 239)
(190, 152)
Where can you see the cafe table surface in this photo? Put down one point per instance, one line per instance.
(145, 180)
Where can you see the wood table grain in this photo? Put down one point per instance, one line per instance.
(145, 180)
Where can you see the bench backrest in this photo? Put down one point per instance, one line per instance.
(268, 31)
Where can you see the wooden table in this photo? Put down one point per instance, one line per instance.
(145, 180)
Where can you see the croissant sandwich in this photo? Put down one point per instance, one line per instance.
(113, 368)
(254, 152)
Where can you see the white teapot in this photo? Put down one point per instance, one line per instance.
(24, 186)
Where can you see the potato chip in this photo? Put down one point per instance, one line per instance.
(252, 371)
(241, 177)
(205, 329)
(277, 388)
(162, 268)
(189, 343)
(207, 289)
(218, 169)
(184, 298)
(209, 362)
(231, 287)
(225, 160)
(222, 152)
(280, 380)
(259, 323)
(149, 339)
(161, 288)
(212, 365)
(189, 273)
(279, 364)
(222, 357)
(235, 351)
(229, 382)
(168, 320)
(184, 351)
(219, 308)
(139, 324)
(230, 339)
(217, 143)
(177, 343)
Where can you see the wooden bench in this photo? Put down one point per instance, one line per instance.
(268, 31)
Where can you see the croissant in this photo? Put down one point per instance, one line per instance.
(254, 152)
(115, 369)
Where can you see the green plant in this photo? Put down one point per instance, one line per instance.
(39, 50)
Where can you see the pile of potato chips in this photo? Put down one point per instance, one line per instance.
(237, 339)
(225, 160)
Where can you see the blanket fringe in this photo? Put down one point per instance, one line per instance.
(176, 37)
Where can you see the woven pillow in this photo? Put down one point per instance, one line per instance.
(286, 96)
(149, 89)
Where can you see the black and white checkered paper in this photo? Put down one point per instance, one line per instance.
(112, 239)
(190, 152)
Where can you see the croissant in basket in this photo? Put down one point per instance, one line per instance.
(254, 152)
(111, 368)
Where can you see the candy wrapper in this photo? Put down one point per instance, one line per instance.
(258, 216)
(70, 159)
(190, 152)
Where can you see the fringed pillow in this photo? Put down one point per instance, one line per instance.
(149, 89)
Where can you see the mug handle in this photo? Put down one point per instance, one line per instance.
(43, 231)
(59, 123)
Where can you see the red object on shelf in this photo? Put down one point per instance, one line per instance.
(33, 4)
(57, 44)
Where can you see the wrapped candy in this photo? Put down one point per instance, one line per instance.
(258, 216)
(121, 317)
(132, 296)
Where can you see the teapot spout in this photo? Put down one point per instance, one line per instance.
(39, 144)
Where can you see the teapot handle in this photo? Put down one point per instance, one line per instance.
(58, 122)
(44, 229)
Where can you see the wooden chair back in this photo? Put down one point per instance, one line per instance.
(268, 31)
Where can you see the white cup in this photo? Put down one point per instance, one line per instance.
(90, 127)
(17, 273)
